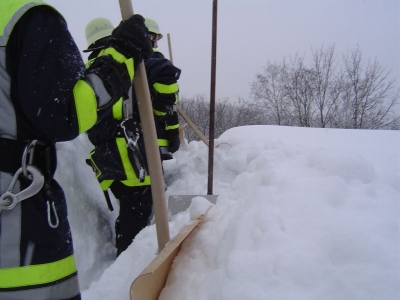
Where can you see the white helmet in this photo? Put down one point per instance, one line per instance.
(97, 29)
(152, 26)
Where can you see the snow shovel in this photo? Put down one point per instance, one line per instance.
(149, 284)
(155, 280)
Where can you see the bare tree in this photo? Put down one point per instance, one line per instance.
(327, 86)
(328, 94)
(198, 110)
(368, 93)
(298, 81)
(228, 114)
(268, 92)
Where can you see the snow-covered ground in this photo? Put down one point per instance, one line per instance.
(302, 213)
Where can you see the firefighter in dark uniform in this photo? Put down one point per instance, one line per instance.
(118, 166)
(46, 96)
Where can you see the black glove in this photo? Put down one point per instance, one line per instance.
(174, 141)
(130, 38)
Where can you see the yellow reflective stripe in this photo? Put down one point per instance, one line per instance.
(117, 110)
(12, 11)
(129, 171)
(120, 58)
(159, 113)
(166, 88)
(169, 127)
(85, 105)
(129, 66)
(105, 184)
(37, 274)
(162, 143)
(114, 53)
(135, 182)
(89, 62)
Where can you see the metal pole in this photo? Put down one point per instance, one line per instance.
(169, 48)
(212, 99)
(150, 140)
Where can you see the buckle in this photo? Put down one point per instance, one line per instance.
(15, 154)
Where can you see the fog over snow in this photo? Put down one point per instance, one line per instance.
(302, 213)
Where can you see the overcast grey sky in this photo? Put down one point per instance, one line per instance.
(252, 32)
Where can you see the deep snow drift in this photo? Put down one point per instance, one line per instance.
(302, 213)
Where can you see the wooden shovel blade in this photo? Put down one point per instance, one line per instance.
(149, 284)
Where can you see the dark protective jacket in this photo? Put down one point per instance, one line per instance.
(36, 103)
(45, 96)
(164, 90)
(111, 158)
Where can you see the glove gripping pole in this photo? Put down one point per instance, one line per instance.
(150, 140)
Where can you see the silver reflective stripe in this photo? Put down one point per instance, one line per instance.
(10, 238)
(63, 290)
(8, 126)
(97, 85)
(10, 221)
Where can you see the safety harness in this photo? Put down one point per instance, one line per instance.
(34, 160)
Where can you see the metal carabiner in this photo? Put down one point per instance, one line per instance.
(29, 149)
(9, 200)
(53, 207)
(131, 142)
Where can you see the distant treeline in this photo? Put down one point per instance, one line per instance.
(326, 93)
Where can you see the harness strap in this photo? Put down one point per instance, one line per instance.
(11, 152)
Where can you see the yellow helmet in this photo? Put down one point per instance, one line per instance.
(97, 29)
(152, 26)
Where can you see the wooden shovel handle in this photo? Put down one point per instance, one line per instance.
(150, 140)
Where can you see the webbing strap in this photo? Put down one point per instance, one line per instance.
(10, 155)
(11, 152)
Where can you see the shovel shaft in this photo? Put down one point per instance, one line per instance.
(150, 140)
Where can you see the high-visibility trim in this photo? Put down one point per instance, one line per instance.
(129, 171)
(162, 143)
(129, 66)
(166, 88)
(119, 58)
(114, 53)
(89, 62)
(37, 274)
(85, 105)
(11, 12)
(159, 113)
(68, 288)
(117, 110)
(170, 127)
(105, 184)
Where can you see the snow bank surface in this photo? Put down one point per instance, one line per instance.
(302, 213)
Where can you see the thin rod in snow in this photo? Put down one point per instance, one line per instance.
(212, 99)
